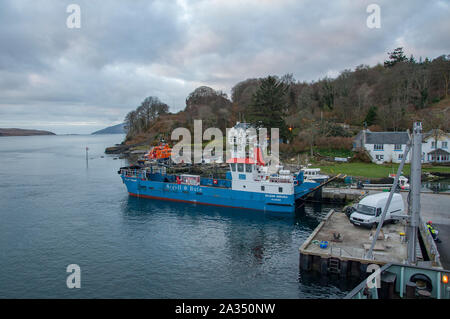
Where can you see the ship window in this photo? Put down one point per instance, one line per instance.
(240, 167)
(280, 189)
(233, 167)
(248, 168)
(263, 188)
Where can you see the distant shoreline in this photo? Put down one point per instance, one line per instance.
(23, 132)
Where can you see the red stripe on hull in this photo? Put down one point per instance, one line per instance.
(186, 201)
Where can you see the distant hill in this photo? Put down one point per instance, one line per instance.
(22, 132)
(115, 129)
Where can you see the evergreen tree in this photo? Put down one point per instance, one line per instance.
(371, 116)
(397, 56)
(268, 105)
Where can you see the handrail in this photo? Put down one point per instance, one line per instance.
(358, 291)
(429, 238)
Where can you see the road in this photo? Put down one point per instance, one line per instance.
(436, 208)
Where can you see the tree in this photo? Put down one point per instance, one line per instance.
(371, 116)
(328, 92)
(209, 105)
(440, 71)
(141, 119)
(397, 56)
(268, 105)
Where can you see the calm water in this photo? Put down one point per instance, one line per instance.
(56, 211)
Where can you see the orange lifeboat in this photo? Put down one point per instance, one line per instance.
(159, 152)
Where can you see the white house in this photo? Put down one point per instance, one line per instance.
(389, 146)
(435, 147)
(382, 146)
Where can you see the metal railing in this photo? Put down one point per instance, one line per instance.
(430, 243)
(404, 273)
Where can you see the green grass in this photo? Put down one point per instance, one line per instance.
(334, 152)
(371, 170)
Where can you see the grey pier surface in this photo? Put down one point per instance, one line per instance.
(346, 255)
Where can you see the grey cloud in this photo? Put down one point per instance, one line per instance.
(127, 50)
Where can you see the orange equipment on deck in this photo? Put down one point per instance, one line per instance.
(159, 152)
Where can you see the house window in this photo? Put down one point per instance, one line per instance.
(378, 147)
(444, 144)
(379, 157)
(397, 147)
(280, 189)
(400, 156)
(433, 144)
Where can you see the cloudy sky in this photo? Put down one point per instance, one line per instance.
(77, 80)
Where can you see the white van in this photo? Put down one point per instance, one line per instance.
(369, 209)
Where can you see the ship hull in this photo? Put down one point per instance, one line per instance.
(210, 195)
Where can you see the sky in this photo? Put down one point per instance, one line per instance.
(78, 80)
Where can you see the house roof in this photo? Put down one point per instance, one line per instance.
(387, 137)
(434, 133)
(439, 151)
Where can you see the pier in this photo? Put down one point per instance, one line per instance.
(336, 246)
(348, 245)
(336, 195)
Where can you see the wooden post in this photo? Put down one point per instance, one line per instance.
(87, 161)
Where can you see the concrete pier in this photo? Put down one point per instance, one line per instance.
(348, 246)
(336, 195)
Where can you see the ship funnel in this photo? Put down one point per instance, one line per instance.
(258, 156)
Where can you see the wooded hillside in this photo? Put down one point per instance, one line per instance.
(324, 113)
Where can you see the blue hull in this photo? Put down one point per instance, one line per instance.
(217, 196)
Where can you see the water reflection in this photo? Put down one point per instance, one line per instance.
(442, 186)
(326, 284)
(248, 253)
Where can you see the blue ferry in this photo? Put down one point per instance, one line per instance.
(249, 184)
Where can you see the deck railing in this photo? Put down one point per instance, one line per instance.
(404, 274)
(429, 243)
